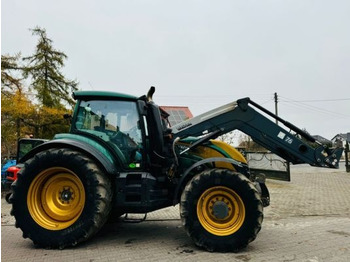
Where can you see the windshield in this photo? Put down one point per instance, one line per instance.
(117, 123)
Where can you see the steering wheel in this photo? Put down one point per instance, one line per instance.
(124, 141)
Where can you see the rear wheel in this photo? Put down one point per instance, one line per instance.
(221, 210)
(61, 198)
(7, 197)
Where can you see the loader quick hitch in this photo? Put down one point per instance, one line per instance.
(333, 157)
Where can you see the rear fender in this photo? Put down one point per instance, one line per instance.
(92, 152)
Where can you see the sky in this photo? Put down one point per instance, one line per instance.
(200, 53)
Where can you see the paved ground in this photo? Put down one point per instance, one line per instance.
(308, 220)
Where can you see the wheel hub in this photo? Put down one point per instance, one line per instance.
(66, 195)
(220, 210)
(56, 198)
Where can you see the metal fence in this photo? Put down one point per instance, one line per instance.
(271, 165)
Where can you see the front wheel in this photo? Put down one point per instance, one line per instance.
(221, 210)
(61, 198)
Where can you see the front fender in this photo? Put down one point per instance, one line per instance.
(240, 167)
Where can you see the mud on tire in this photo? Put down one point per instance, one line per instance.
(61, 198)
(221, 210)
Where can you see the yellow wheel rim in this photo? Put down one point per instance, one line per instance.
(56, 198)
(220, 211)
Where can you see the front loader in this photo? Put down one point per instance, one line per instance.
(121, 156)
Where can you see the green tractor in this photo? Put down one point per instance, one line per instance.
(121, 156)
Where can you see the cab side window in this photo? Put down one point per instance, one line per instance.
(117, 123)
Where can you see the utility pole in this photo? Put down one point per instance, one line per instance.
(347, 165)
(276, 108)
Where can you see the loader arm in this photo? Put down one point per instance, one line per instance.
(248, 117)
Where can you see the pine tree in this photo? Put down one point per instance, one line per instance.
(44, 67)
(9, 82)
(11, 86)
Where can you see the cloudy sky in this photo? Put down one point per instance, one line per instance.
(201, 53)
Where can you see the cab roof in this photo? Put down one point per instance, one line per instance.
(90, 95)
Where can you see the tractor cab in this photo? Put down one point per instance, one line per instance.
(133, 128)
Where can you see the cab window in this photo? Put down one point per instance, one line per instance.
(117, 123)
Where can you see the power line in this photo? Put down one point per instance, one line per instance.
(323, 100)
(266, 101)
(310, 107)
(313, 108)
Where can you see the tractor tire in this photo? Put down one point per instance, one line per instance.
(221, 210)
(61, 198)
(115, 216)
(7, 197)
